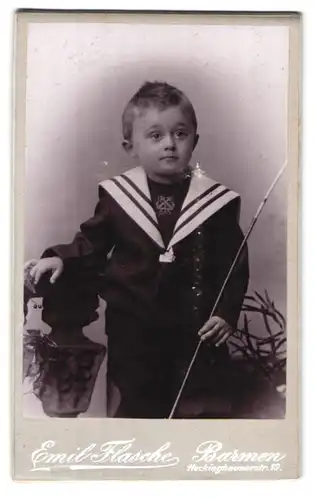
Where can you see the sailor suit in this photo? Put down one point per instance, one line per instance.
(160, 290)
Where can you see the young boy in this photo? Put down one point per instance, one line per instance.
(172, 234)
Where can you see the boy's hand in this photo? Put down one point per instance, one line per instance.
(216, 330)
(42, 266)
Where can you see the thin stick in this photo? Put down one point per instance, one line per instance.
(251, 226)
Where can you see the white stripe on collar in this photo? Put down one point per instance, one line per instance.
(204, 198)
(188, 210)
(139, 177)
(198, 185)
(138, 208)
(135, 193)
(199, 215)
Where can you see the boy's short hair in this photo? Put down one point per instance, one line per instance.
(160, 95)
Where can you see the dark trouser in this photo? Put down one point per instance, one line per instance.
(147, 363)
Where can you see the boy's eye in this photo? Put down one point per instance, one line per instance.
(180, 134)
(155, 135)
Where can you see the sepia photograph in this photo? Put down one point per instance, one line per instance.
(145, 164)
(155, 177)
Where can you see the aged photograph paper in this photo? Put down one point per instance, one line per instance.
(156, 170)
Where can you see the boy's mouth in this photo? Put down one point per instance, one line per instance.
(169, 157)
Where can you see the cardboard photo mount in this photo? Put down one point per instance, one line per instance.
(104, 448)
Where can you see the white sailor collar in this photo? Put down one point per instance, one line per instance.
(204, 198)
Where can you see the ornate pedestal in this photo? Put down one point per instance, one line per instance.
(64, 363)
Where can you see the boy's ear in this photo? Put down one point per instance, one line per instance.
(129, 148)
(127, 145)
(196, 140)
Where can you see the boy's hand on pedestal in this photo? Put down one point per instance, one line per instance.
(42, 266)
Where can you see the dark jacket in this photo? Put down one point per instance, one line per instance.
(124, 253)
(157, 297)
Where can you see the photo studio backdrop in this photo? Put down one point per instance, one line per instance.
(79, 78)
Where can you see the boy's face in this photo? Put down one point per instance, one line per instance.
(162, 141)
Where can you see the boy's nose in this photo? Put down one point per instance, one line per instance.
(169, 143)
